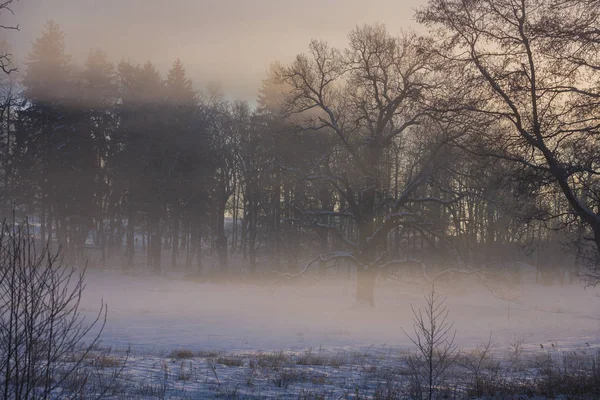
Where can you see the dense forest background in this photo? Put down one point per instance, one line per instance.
(471, 150)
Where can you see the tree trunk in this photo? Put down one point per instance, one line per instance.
(245, 218)
(155, 243)
(130, 236)
(251, 216)
(277, 221)
(491, 232)
(365, 278)
(326, 205)
(7, 169)
(186, 243)
(221, 240)
(252, 246)
(102, 241)
(365, 286)
(175, 240)
(199, 249)
(156, 252)
(43, 223)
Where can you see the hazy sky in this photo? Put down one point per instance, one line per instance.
(229, 41)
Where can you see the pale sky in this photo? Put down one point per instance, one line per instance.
(227, 41)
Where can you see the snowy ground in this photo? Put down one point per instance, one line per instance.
(225, 330)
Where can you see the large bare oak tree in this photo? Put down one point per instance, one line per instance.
(369, 97)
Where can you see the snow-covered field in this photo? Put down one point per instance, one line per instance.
(225, 330)
(373, 374)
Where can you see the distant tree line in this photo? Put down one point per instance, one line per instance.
(473, 148)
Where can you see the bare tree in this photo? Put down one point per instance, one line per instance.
(5, 56)
(436, 351)
(8, 98)
(532, 67)
(41, 328)
(369, 98)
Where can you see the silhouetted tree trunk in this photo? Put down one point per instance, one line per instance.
(174, 237)
(130, 240)
(221, 238)
(198, 244)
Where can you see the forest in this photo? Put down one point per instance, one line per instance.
(459, 157)
(395, 153)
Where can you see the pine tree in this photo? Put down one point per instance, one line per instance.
(45, 131)
(97, 121)
(179, 86)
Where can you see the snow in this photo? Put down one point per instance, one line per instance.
(311, 340)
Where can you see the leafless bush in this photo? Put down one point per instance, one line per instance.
(390, 389)
(284, 377)
(186, 371)
(515, 351)
(41, 328)
(154, 390)
(212, 367)
(231, 361)
(320, 358)
(102, 377)
(270, 361)
(182, 354)
(207, 354)
(107, 361)
(483, 372)
(570, 374)
(436, 351)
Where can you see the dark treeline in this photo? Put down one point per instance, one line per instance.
(395, 154)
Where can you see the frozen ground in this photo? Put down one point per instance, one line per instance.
(152, 314)
(373, 374)
(191, 340)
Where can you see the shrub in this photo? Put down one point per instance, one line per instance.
(182, 354)
(41, 328)
(436, 351)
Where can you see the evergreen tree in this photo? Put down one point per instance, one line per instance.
(45, 132)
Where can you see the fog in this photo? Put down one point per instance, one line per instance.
(149, 314)
(240, 177)
(231, 42)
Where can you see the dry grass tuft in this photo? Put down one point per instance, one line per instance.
(181, 354)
